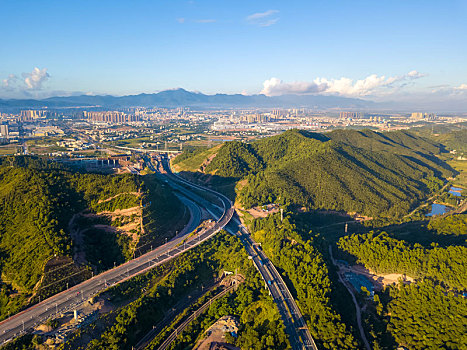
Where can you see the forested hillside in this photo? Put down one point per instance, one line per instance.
(375, 174)
(383, 254)
(427, 316)
(453, 136)
(302, 264)
(430, 312)
(450, 225)
(455, 140)
(38, 200)
(37, 205)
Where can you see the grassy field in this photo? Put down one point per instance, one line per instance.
(8, 149)
(44, 141)
(47, 149)
(461, 167)
(194, 163)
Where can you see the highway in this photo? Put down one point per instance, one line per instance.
(74, 296)
(296, 328)
(299, 334)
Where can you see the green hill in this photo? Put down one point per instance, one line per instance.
(37, 202)
(193, 159)
(37, 205)
(375, 174)
(384, 254)
(453, 136)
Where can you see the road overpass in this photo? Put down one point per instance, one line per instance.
(69, 299)
(296, 327)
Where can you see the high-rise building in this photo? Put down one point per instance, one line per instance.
(110, 117)
(352, 115)
(32, 114)
(276, 112)
(420, 115)
(417, 115)
(4, 130)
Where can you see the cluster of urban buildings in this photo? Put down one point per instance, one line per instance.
(126, 123)
(74, 145)
(9, 131)
(112, 117)
(349, 115)
(278, 120)
(423, 116)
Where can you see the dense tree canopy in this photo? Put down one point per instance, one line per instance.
(37, 205)
(304, 266)
(38, 199)
(449, 225)
(376, 174)
(427, 316)
(384, 254)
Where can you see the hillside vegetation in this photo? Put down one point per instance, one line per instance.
(375, 174)
(383, 254)
(427, 316)
(151, 296)
(453, 136)
(38, 200)
(37, 205)
(303, 266)
(193, 159)
(449, 225)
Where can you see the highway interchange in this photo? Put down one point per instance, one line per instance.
(223, 213)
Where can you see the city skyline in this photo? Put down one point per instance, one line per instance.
(398, 51)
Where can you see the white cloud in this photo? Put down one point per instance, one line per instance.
(460, 91)
(263, 19)
(29, 86)
(276, 87)
(415, 75)
(36, 78)
(373, 84)
(261, 15)
(10, 82)
(448, 90)
(181, 20)
(347, 87)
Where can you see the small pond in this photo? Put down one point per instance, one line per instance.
(359, 281)
(437, 209)
(455, 191)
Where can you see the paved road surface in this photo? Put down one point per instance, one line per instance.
(70, 298)
(299, 335)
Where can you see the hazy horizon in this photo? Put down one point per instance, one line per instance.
(405, 52)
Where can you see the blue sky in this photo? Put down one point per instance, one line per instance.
(395, 48)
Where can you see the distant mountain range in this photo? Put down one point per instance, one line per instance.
(184, 98)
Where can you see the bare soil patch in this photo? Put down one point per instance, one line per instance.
(263, 211)
(131, 226)
(379, 280)
(215, 335)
